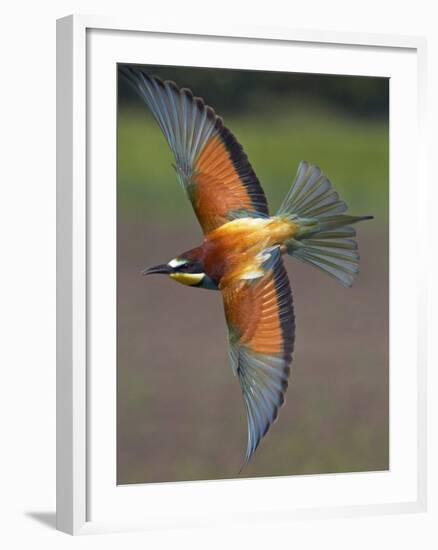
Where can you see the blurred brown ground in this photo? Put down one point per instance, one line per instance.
(180, 411)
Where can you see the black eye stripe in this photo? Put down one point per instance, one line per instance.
(190, 268)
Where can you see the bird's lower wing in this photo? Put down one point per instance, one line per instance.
(210, 163)
(261, 328)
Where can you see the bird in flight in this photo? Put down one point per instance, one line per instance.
(241, 254)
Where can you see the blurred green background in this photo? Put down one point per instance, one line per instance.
(180, 412)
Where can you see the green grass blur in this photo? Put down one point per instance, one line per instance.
(353, 154)
(277, 131)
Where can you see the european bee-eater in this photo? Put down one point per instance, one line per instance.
(241, 254)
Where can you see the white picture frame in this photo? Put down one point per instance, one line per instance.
(86, 503)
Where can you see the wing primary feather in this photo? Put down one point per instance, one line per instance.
(226, 183)
(268, 324)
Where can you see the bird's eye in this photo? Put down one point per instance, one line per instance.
(190, 267)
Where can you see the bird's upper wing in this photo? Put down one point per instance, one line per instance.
(261, 329)
(210, 163)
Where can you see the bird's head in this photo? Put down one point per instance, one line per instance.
(184, 270)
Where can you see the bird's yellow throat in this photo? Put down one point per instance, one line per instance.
(189, 279)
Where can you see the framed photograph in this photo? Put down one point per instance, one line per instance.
(277, 176)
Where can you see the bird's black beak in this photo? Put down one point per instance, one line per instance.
(162, 268)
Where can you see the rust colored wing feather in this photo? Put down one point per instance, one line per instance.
(210, 163)
(261, 328)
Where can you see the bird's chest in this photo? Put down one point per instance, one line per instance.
(228, 250)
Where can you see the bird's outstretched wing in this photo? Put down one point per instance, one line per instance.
(210, 163)
(261, 329)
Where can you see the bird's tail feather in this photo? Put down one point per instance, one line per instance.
(325, 238)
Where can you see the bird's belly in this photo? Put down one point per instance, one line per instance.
(248, 233)
(240, 241)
